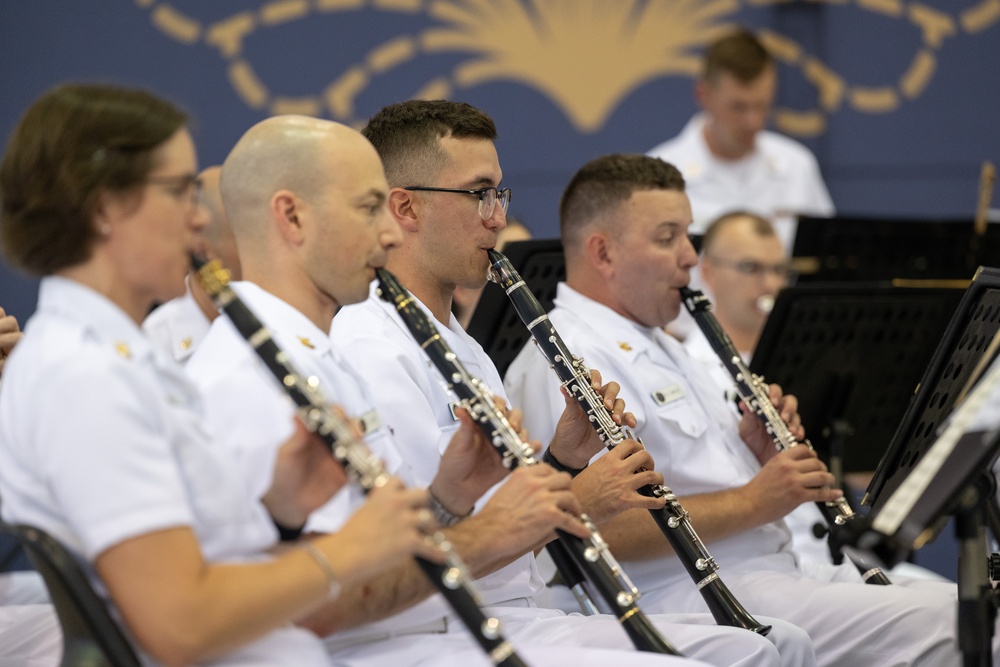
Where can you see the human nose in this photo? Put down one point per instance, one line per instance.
(688, 255)
(755, 118)
(390, 234)
(497, 219)
(774, 280)
(200, 217)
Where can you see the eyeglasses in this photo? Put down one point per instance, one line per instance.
(749, 267)
(185, 186)
(488, 197)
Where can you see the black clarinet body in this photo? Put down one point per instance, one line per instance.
(753, 392)
(672, 519)
(591, 555)
(450, 578)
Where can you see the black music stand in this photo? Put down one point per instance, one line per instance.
(857, 248)
(968, 334)
(852, 353)
(495, 324)
(962, 484)
(953, 477)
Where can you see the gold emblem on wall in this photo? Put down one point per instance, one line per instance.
(584, 55)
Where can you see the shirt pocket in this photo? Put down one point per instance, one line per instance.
(682, 418)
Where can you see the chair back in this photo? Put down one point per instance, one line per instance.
(91, 637)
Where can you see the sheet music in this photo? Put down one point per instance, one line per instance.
(979, 413)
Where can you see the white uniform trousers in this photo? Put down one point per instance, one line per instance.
(546, 637)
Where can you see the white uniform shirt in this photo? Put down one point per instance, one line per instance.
(778, 180)
(102, 440)
(800, 520)
(412, 399)
(177, 327)
(246, 404)
(684, 422)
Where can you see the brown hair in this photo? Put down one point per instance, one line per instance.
(740, 54)
(74, 143)
(606, 182)
(406, 136)
(761, 227)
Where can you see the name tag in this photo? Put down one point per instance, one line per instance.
(370, 421)
(668, 394)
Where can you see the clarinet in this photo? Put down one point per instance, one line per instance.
(672, 519)
(451, 578)
(753, 391)
(592, 554)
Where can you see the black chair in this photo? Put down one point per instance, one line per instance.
(91, 638)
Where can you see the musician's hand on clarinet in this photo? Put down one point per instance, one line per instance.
(515, 417)
(528, 507)
(10, 334)
(787, 406)
(755, 435)
(390, 527)
(609, 485)
(575, 441)
(305, 477)
(790, 478)
(469, 467)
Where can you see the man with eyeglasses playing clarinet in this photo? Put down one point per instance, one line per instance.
(446, 194)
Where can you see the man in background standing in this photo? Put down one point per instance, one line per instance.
(729, 161)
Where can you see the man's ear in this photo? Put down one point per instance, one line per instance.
(597, 248)
(702, 92)
(404, 207)
(286, 212)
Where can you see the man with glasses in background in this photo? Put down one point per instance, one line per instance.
(743, 266)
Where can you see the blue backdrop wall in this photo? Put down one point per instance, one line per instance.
(898, 99)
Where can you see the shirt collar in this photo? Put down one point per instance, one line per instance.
(100, 317)
(632, 338)
(270, 308)
(465, 347)
(452, 326)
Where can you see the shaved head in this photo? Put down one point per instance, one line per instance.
(295, 153)
(218, 241)
(307, 202)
